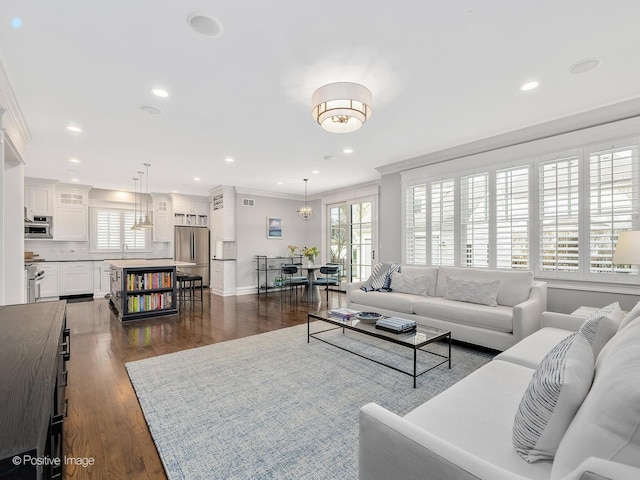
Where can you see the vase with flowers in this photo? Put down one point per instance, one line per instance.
(292, 249)
(311, 253)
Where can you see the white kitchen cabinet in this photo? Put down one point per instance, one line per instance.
(223, 277)
(76, 278)
(161, 218)
(101, 278)
(223, 219)
(71, 223)
(49, 285)
(190, 210)
(38, 198)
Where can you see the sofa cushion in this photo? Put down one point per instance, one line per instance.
(482, 293)
(558, 387)
(415, 284)
(608, 422)
(380, 277)
(430, 272)
(396, 302)
(476, 415)
(515, 286)
(633, 314)
(530, 351)
(498, 318)
(601, 326)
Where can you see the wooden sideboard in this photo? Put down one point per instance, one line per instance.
(34, 350)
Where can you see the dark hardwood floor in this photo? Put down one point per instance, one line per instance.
(105, 421)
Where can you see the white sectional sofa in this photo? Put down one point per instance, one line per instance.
(466, 431)
(520, 302)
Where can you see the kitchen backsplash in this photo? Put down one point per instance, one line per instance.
(60, 251)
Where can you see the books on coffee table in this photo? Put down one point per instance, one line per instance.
(342, 313)
(396, 325)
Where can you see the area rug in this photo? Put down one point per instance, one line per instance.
(272, 406)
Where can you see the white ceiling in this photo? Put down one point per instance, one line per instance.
(442, 73)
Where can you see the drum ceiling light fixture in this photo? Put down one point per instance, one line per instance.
(341, 107)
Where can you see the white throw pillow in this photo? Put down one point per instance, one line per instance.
(556, 391)
(417, 285)
(632, 315)
(601, 326)
(608, 422)
(483, 293)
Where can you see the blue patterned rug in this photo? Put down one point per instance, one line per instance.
(272, 406)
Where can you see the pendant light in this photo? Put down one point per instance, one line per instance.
(139, 221)
(136, 225)
(306, 212)
(147, 220)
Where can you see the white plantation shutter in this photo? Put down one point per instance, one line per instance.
(474, 210)
(111, 228)
(443, 222)
(613, 203)
(416, 225)
(559, 215)
(512, 218)
(108, 229)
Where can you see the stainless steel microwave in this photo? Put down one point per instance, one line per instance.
(39, 227)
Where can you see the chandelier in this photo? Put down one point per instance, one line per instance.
(341, 107)
(306, 212)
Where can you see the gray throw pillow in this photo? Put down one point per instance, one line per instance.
(415, 284)
(601, 326)
(380, 277)
(482, 293)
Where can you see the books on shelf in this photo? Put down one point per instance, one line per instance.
(342, 313)
(149, 302)
(396, 325)
(149, 281)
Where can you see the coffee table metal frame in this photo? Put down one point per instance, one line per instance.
(414, 340)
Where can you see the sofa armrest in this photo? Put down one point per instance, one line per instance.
(594, 468)
(350, 287)
(526, 315)
(392, 447)
(562, 320)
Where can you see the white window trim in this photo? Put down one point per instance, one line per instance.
(93, 236)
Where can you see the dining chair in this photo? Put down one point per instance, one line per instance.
(292, 280)
(328, 270)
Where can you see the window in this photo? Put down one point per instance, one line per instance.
(443, 222)
(512, 218)
(558, 215)
(112, 229)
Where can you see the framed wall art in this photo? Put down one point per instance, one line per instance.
(274, 227)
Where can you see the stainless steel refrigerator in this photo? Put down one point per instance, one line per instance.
(191, 244)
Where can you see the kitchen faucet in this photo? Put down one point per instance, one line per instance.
(124, 247)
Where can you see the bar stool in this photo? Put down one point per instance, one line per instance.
(187, 284)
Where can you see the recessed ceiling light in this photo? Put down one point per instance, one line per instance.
(158, 92)
(197, 179)
(75, 180)
(529, 86)
(229, 160)
(329, 157)
(150, 110)
(315, 171)
(280, 183)
(584, 66)
(347, 150)
(74, 129)
(205, 24)
(74, 160)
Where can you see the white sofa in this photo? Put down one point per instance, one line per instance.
(466, 431)
(520, 299)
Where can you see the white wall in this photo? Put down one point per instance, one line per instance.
(251, 233)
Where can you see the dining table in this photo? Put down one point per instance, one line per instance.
(311, 292)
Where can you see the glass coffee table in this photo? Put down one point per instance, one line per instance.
(415, 340)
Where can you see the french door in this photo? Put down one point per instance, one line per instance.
(352, 238)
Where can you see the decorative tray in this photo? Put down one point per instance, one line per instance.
(368, 317)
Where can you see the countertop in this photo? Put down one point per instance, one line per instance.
(143, 262)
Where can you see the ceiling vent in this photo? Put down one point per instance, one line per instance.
(248, 202)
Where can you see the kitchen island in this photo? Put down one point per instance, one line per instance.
(142, 288)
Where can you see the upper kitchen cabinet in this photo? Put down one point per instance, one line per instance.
(190, 210)
(223, 223)
(38, 198)
(161, 218)
(71, 221)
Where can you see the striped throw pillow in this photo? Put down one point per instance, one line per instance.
(601, 326)
(556, 391)
(380, 278)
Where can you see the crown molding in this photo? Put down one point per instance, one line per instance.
(12, 120)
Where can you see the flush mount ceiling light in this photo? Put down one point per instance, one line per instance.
(341, 107)
(584, 66)
(306, 212)
(74, 129)
(205, 24)
(158, 92)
